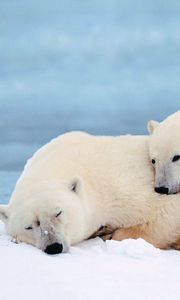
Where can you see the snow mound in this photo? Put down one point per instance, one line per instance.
(133, 248)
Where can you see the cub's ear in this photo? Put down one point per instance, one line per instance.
(3, 213)
(152, 125)
(75, 185)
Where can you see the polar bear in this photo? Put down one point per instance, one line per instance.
(78, 183)
(164, 151)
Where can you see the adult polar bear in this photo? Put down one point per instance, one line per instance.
(79, 182)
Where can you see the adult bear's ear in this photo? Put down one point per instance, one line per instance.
(75, 185)
(152, 125)
(3, 213)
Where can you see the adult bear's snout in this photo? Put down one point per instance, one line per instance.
(55, 248)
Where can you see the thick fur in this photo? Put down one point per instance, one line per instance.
(164, 147)
(92, 182)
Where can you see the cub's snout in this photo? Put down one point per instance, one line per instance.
(162, 190)
(55, 248)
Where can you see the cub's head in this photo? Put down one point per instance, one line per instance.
(164, 150)
(51, 215)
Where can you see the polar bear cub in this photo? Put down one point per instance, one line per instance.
(164, 151)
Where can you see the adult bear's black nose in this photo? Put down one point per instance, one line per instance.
(162, 190)
(55, 248)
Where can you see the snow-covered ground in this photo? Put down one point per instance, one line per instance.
(92, 270)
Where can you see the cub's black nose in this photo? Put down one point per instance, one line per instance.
(161, 190)
(55, 248)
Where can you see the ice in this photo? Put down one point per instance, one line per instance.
(105, 67)
(7, 183)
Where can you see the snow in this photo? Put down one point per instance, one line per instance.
(131, 269)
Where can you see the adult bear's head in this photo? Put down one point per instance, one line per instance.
(51, 215)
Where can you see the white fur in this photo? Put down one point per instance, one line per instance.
(90, 181)
(164, 144)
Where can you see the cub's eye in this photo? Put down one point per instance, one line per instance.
(28, 227)
(59, 213)
(38, 223)
(176, 157)
(153, 161)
